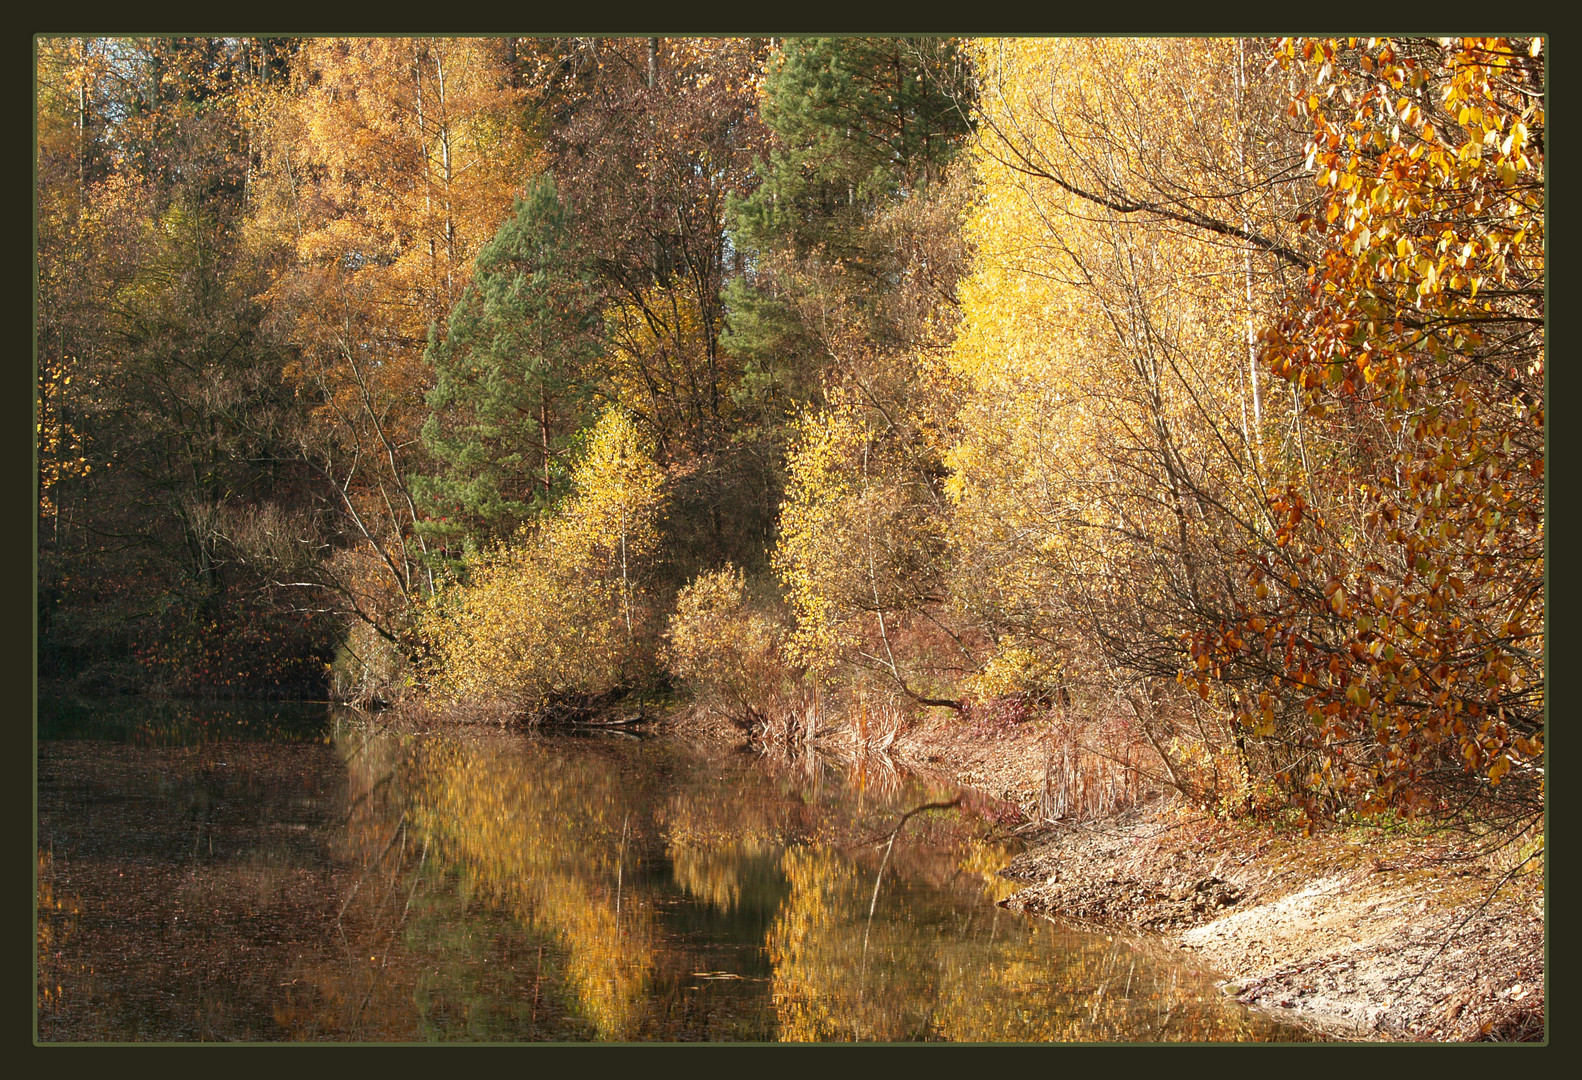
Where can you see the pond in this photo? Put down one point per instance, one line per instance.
(272, 872)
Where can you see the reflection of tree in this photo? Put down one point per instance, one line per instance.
(359, 983)
(547, 836)
(724, 842)
(926, 966)
(728, 877)
(207, 904)
(930, 971)
(480, 977)
(800, 944)
(57, 921)
(498, 888)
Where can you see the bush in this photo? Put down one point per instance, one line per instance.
(557, 612)
(729, 653)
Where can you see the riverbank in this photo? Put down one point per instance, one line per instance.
(1362, 933)
(1358, 934)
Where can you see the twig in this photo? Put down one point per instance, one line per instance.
(1451, 936)
(879, 877)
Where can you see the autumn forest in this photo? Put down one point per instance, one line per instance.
(1187, 391)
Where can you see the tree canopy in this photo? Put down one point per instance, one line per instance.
(1184, 393)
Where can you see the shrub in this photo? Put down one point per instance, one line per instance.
(555, 612)
(729, 653)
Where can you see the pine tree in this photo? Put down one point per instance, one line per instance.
(862, 128)
(512, 377)
(858, 123)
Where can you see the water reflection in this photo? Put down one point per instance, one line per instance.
(364, 883)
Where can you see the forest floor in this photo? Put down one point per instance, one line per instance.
(1356, 933)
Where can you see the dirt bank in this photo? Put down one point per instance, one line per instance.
(1356, 933)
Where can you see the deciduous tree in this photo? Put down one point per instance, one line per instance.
(386, 165)
(1395, 625)
(553, 615)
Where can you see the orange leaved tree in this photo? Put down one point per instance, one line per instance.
(1392, 626)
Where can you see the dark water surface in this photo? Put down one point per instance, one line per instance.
(279, 872)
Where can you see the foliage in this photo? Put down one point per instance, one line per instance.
(248, 649)
(729, 651)
(161, 414)
(385, 165)
(1181, 390)
(512, 376)
(1113, 434)
(858, 122)
(854, 234)
(1395, 622)
(861, 544)
(553, 613)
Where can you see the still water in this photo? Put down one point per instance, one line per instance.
(272, 872)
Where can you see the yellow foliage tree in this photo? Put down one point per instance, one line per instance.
(554, 614)
(1114, 434)
(386, 165)
(862, 549)
(728, 651)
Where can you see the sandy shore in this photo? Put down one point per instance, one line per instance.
(1357, 933)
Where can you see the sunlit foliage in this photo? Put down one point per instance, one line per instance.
(1396, 622)
(1114, 434)
(554, 611)
(862, 547)
(726, 648)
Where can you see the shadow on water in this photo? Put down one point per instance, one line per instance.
(280, 873)
(177, 722)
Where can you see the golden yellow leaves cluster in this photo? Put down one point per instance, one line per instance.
(815, 534)
(1121, 240)
(554, 610)
(386, 164)
(728, 651)
(60, 444)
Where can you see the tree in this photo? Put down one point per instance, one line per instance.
(512, 377)
(553, 616)
(647, 157)
(1395, 624)
(385, 166)
(862, 553)
(161, 408)
(859, 123)
(851, 241)
(650, 139)
(842, 228)
(1130, 235)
